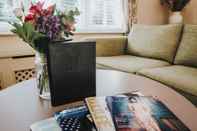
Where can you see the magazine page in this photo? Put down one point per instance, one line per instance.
(46, 125)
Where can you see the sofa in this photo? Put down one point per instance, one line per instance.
(165, 53)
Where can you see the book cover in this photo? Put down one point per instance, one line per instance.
(100, 113)
(141, 113)
(72, 119)
(75, 119)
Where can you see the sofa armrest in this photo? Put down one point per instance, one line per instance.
(106, 46)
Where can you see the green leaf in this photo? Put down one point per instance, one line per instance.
(28, 30)
(14, 30)
(20, 31)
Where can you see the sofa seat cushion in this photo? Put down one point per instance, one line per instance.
(187, 51)
(128, 63)
(179, 77)
(154, 41)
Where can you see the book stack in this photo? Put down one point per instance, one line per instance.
(130, 112)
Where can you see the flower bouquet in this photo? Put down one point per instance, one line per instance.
(40, 26)
(175, 5)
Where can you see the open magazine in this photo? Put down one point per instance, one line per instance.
(132, 112)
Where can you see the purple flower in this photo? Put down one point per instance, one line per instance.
(50, 26)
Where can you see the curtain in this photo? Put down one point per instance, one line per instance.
(132, 9)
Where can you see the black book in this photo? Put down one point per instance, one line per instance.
(72, 71)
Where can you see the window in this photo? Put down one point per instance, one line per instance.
(99, 15)
(6, 13)
(105, 16)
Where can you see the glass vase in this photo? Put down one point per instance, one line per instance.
(42, 78)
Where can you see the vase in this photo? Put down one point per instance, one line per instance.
(176, 18)
(42, 78)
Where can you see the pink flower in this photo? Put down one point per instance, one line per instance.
(18, 12)
(50, 10)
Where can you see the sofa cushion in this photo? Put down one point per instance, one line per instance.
(187, 51)
(154, 41)
(128, 63)
(179, 77)
(109, 46)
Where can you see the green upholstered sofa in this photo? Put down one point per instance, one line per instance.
(165, 53)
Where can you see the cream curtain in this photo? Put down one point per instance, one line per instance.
(132, 9)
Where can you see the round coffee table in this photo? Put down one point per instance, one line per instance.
(20, 105)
